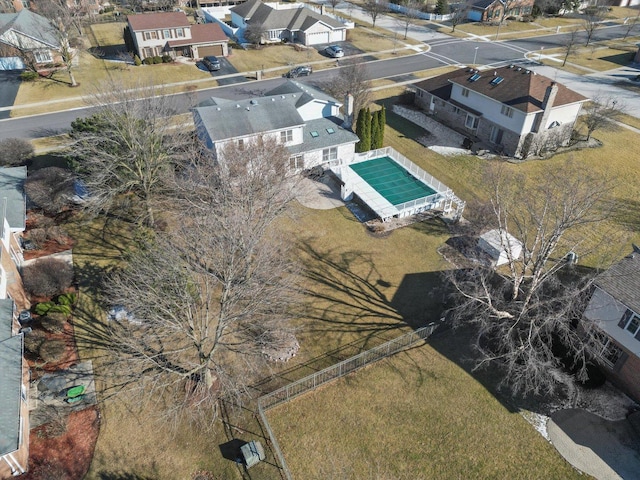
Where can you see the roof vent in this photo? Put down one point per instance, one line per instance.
(218, 108)
(518, 69)
(527, 72)
(253, 102)
(248, 109)
(237, 105)
(281, 96)
(495, 73)
(273, 99)
(511, 66)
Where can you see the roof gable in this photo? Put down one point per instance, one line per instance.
(520, 88)
(298, 18)
(622, 281)
(150, 21)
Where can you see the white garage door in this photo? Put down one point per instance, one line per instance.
(317, 37)
(11, 63)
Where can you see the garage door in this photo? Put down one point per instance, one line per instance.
(317, 38)
(210, 50)
(11, 63)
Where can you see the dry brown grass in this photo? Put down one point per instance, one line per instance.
(416, 415)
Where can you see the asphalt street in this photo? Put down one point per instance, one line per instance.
(443, 50)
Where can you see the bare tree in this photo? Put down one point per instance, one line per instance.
(14, 151)
(254, 33)
(66, 29)
(601, 114)
(410, 14)
(51, 188)
(334, 4)
(352, 78)
(629, 24)
(525, 312)
(129, 147)
(459, 15)
(374, 8)
(592, 20)
(215, 294)
(570, 45)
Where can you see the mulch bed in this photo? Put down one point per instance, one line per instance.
(67, 456)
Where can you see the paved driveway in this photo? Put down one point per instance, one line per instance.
(10, 81)
(602, 448)
(225, 69)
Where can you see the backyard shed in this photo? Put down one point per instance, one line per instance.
(497, 244)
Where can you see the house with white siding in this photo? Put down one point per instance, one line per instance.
(614, 309)
(510, 110)
(304, 119)
(292, 22)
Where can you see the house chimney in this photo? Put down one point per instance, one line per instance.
(547, 105)
(348, 111)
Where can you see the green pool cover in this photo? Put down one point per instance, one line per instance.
(391, 180)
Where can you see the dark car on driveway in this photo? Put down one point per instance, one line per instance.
(211, 63)
(301, 71)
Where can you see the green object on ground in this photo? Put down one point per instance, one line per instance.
(75, 391)
(391, 180)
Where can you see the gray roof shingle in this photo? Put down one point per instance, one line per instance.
(10, 391)
(12, 188)
(520, 89)
(6, 318)
(31, 25)
(288, 18)
(622, 281)
(324, 138)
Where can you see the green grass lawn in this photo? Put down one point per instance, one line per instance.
(361, 290)
(417, 415)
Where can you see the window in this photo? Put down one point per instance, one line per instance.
(179, 32)
(296, 162)
(166, 33)
(456, 110)
(26, 4)
(148, 52)
(631, 323)
(610, 353)
(42, 56)
(465, 92)
(286, 136)
(241, 144)
(496, 135)
(507, 111)
(329, 154)
(150, 35)
(471, 121)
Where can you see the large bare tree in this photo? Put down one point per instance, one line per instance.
(410, 15)
(374, 8)
(130, 148)
(210, 299)
(592, 20)
(570, 45)
(601, 113)
(525, 312)
(66, 28)
(352, 78)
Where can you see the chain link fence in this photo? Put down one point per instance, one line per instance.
(313, 381)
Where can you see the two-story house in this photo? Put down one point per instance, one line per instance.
(292, 22)
(171, 33)
(511, 110)
(27, 39)
(614, 308)
(14, 381)
(301, 117)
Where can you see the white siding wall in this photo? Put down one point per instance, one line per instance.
(564, 114)
(160, 41)
(607, 312)
(318, 109)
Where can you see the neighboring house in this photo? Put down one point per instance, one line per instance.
(492, 10)
(301, 117)
(291, 22)
(171, 33)
(82, 7)
(510, 110)
(27, 38)
(615, 309)
(14, 381)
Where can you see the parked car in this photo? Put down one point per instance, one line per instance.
(212, 63)
(334, 51)
(301, 71)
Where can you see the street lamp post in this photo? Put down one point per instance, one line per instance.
(475, 55)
